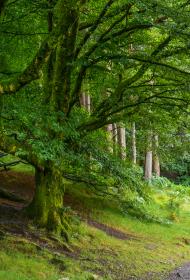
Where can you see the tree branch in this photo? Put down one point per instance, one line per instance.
(31, 73)
(93, 27)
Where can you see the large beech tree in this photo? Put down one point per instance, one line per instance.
(86, 45)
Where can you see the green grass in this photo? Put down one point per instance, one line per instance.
(24, 265)
(159, 248)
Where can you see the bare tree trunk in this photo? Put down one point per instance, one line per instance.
(82, 100)
(88, 103)
(85, 101)
(148, 165)
(114, 137)
(121, 142)
(156, 161)
(109, 129)
(134, 148)
(148, 159)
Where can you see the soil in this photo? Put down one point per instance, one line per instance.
(19, 184)
(182, 273)
(111, 231)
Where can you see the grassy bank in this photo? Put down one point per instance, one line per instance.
(105, 244)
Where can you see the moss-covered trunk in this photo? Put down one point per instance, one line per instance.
(47, 206)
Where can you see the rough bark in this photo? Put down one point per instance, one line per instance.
(65, 30)
(47, 205)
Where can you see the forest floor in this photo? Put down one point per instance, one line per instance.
(105, 243)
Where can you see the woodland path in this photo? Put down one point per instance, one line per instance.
(22, 186)
(182, 273)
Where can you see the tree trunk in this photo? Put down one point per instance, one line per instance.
(109, 129)
(148, 159)
(156, 161)
(2, 5)
(148, 165)
(47, 205)
(115, 138)
(85, 101)
(134, 148)
(121, 142)
(88, 103)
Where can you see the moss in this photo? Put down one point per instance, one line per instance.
(46, 207)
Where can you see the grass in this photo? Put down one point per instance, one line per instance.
(155, 249)
(24, 264)
(159, 248)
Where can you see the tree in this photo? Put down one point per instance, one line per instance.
(87, 49)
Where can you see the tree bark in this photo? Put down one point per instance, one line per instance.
(82, 100)
(109, 129)
(148, 159)
(134, 148)
(156, 161)
(121, 142)
(114, 137)
(47, 205)
(2, 5)
(88, 102)
(85, 101)
(148, 166)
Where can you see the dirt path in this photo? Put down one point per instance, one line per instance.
(111, 231)
(19, 184)
(182, 273)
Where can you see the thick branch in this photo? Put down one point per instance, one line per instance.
(31, 73)
(2, 5)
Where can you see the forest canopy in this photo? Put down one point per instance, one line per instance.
(87, 88)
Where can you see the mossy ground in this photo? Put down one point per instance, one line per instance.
(153, 251)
